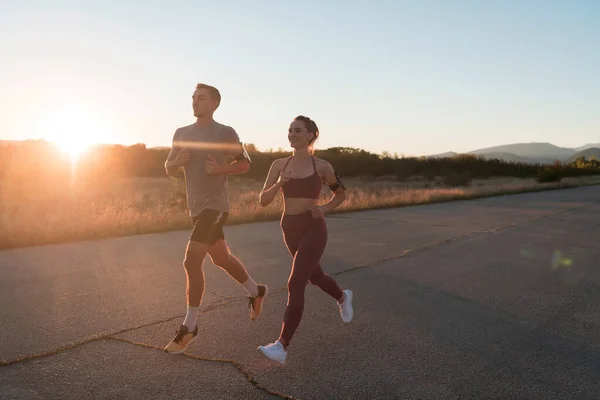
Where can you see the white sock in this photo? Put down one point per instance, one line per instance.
(191, 318)
(251, 287)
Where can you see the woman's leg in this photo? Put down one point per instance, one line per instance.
(306, 239)
(326, 283)
(306, 259)
(292, 235)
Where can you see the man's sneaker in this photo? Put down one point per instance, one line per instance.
(256, 303)
(274, 352)
(346, 307)
(182, 340)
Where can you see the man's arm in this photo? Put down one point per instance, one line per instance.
(177, 157)
(234, 148)
(237, 167)
(240, 165)
(173, 166)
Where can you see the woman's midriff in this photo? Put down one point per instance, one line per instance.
(295, 206)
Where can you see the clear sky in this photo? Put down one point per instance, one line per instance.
(413, 77)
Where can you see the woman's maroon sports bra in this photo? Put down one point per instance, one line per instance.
(307, 188)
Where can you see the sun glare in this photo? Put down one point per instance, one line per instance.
(72, 129)
(72, 149)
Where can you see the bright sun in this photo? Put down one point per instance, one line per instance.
(71, 129)
(72, 149)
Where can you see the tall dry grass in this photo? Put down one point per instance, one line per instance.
(34, 213)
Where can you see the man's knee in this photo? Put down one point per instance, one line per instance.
(194, 256)
(220, 260)
(219, 254)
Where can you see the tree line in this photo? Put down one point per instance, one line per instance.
(40, 161)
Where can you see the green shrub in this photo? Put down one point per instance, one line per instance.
(454, 178)
(551, 174)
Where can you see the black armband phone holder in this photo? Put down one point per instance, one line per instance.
(243, 155)
(338, 184)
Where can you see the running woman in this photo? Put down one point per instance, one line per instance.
(204, 150)
(300, 178)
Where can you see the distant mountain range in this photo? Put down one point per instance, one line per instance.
(544, 153)
(589, 153)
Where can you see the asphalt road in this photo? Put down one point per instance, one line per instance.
(481, 299)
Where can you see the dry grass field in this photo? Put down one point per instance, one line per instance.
(56, 213)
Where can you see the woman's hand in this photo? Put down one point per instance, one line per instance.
(284, 177)
(317, 212)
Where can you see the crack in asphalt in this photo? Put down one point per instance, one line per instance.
(114, 336)
(234, 363)
(229, 300)
(99, 336)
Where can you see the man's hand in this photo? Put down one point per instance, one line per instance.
(211, 166)
(182, 158)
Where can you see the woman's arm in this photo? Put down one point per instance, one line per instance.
(335, 184)
(272, 184)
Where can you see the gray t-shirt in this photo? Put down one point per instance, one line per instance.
(206, 191)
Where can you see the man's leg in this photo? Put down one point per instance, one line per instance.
(195, 253)
(194, 258)
(222, 258)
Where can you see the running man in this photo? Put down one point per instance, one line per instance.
(204, 150)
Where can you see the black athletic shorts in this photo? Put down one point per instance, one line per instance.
(208, 226)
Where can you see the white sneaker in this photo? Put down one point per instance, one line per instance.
(346, 307)
(274, 352)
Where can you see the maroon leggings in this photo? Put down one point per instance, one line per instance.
(306, 238)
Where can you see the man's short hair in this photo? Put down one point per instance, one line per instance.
(212, 91)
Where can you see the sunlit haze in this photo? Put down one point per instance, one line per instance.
(412, 77)
(72, 128)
